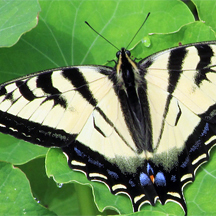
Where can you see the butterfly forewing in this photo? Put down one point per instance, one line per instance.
(195, 76)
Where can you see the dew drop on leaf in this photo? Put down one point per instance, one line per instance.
(146, 41)
(59, 185)
(38, 201)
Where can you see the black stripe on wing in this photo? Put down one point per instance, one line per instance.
(78, 81)
(3, 90)
(44, 81)
(24, 90)
(34, 132)
(205, 53)
(175, 63)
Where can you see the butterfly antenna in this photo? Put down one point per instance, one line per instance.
(138, 30)
(101, 35)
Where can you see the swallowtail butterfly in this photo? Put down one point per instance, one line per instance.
(143, 128)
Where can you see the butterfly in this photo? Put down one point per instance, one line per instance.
(142, 127)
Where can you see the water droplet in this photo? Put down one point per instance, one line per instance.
(38, 201)
(146, 41)
(59, 185)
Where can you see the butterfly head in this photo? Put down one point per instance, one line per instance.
(126, 69)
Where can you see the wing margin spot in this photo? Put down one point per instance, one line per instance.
(199, 158)
(77, 163)
(138, 198)
(97, 175)
(118, 187)
(174, 194)
(186, 176)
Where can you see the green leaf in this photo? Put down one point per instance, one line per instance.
(206, 11)
(190, 33)
(57, 198)
(15, 193)
(56, 166)
(17, 151)
(17, 17)
(60, 39)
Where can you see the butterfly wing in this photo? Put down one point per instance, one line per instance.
(181, 95)
(77, 109)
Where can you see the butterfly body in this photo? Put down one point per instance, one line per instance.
(141, 128)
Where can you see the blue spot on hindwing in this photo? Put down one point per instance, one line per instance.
(113, 174)
(196, 146)
(173, 178)
(131, 182)
(160, 179)
(185, 163)
(79, 152)
(205, 130)
(150, 170)
(144, 179)
(95, 162)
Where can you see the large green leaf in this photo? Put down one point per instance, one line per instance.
(17, 151)
(60, 39)
(56, 197)
(206, 11)
(17, 17)
(15, 193)
(190, 33)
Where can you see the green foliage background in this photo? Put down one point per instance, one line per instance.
(39, 35)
